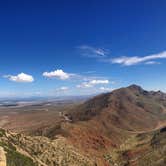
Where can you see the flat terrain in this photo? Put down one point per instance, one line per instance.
(29, 117)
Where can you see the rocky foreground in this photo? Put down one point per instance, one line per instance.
(18, 150)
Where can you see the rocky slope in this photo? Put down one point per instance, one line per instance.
(130, 108)
(2, 157)
(19, 150)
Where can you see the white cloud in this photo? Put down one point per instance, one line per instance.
(90, 72)
(151, 63)
(92, 83)
(128, 61)
(60, 74)
(22, 77)
(105, 89)
(84, 85)
(93, 52)
(63, 88)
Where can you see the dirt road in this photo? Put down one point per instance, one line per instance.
(159, 126)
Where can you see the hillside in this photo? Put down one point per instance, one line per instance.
(146, 149)
(20, 150)
(108, 120)
(130, 108)
(138, 150)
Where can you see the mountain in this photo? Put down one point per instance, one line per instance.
(130, 108)
(112, 118)
(126, 127)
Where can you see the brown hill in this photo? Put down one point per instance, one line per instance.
(108, 120)
(130, 108)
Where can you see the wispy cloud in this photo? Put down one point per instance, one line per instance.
(92, 83)
(22, 77)
(90, 72)
(105, 89)
(102, 55)
(93, 52)
(128, 61)
(59, 73)
(152, 63)
(59, 91)
(64, 88)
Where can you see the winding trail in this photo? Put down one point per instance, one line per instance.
(159, 126)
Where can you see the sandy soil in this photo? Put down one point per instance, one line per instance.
(3, 121)
(2, 157)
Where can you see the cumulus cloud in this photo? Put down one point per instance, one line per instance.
(93, 52)
(92, 83)
(128, 61)
(59, 73)
(22, 77)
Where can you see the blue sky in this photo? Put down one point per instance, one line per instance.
(57, 47)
